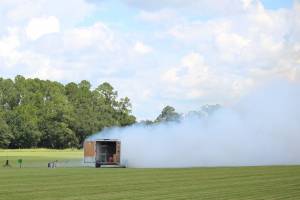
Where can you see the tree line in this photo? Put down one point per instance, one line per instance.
(43, 113)
(169, 114)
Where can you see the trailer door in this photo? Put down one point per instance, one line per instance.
(89, 151)
(118, 151)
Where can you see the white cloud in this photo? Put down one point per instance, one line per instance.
(8, 44)
(70, 12)
(142, 48)
(98, 35)
(239, 54)
(257, 38)
(160, 16)
(37, 27)
(49, 73)
(231, 45)
(194, 79)
(188, 77)
(8, 48)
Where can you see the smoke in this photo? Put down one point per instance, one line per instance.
(263, 128)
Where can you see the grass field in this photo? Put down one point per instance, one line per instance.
(35, 181)
(41, 157)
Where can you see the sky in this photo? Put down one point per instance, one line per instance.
(183, 53)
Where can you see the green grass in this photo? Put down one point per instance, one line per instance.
(40, 157)
(41, 183)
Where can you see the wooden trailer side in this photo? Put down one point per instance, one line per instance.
(118, 150)
(89, 151)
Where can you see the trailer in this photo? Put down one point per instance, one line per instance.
(102, 153)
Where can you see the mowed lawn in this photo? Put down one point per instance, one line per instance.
(35, 181)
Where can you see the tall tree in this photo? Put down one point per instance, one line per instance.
(55, 119)
(23, 122)
(168, 114)
(84, 116)
(5, 133)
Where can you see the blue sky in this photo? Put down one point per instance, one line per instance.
(160, 52)
(277, 4)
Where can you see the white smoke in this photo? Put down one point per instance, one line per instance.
(263, 128)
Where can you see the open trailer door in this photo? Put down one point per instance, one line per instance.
(118, 152)
(89, 151)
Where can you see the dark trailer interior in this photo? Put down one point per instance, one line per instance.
(107, 152)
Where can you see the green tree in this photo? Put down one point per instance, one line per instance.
(124, 112)
(107, 92)
(55, 119)
(84, 113)
(5, 133)
(9, 97)
(168, 114)
(24, 125)
(39, 113)
(113, 111)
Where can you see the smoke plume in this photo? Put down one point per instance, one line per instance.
(263, 128)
